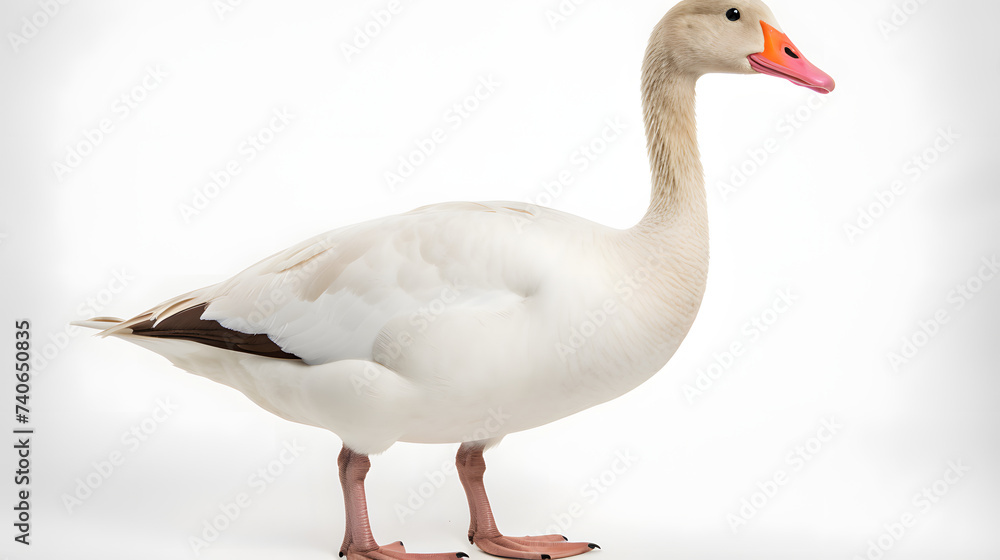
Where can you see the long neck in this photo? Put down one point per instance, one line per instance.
(669, 111)
(671, 240)
(669, 246)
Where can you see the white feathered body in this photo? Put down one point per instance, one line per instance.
(454, 322)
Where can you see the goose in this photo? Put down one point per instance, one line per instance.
(463, 322)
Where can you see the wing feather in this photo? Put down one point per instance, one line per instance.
(330, 297)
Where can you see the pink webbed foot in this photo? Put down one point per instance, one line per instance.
(531, 548)
(396, 551)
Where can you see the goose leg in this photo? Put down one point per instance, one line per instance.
(359, 544)
(483, 530)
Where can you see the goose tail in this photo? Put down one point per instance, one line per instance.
(98, 323)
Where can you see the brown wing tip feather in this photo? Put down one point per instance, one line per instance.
(187, 324)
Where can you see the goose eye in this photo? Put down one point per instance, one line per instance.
(733, 14)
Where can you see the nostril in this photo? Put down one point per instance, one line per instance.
(790, 53)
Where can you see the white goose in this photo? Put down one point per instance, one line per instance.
(464, 322)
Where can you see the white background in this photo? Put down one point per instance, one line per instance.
(63, 241)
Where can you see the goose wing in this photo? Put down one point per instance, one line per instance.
(329, 297)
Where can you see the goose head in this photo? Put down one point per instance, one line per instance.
(697, 37)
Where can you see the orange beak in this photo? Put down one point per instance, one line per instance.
(781, 58)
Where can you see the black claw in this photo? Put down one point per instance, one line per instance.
(462, 555)
(471, 541)
(546, 557)
(401, 544)
(341, 553)
(564, 537)
(593, 546)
